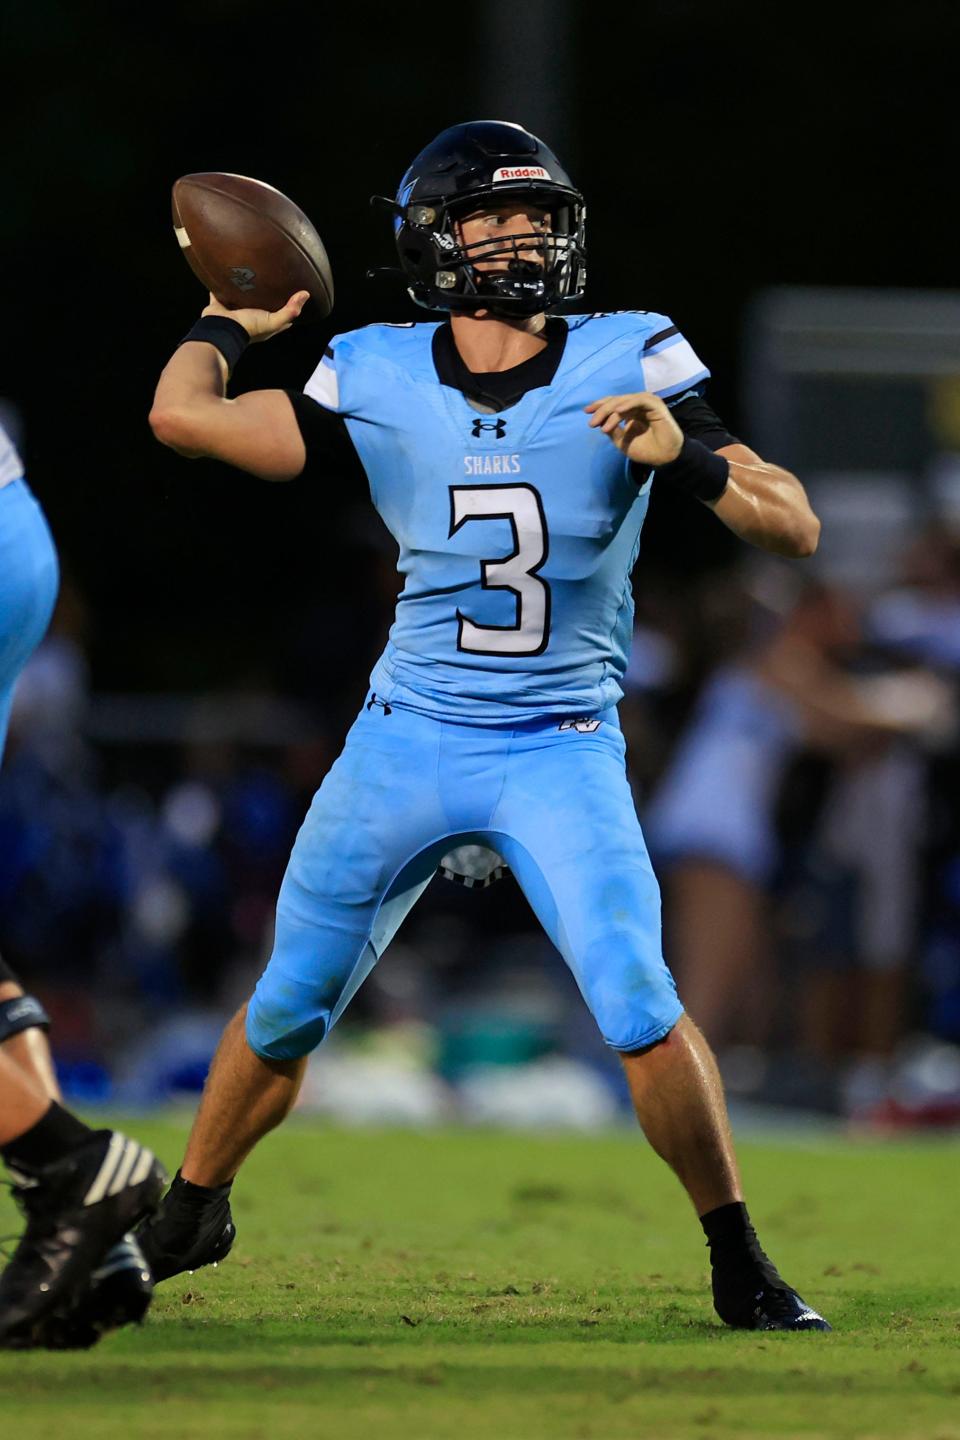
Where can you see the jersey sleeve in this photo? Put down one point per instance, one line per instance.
(671, 366)
(324, 437)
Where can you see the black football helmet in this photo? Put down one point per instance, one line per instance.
(465, 168)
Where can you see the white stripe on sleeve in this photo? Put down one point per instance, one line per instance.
(322, 386)
(674, 368)
(10, 465)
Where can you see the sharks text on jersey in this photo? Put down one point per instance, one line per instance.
(491, 464)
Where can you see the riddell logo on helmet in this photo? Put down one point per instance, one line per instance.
(520, 172)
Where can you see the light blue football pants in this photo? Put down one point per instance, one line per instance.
(29, 578)
(407, 788)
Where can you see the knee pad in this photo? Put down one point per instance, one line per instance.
(21, 1013)
(276, 1031)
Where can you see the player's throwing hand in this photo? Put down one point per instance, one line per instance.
(262, 324)
(640, 426)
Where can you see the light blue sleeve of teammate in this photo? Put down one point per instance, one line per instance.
(671, 367)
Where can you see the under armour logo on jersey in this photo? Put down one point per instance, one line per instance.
(584, 726)
(499, 426)
(387, 709)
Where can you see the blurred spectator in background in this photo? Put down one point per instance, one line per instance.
(850, 886)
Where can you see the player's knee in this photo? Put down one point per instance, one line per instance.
(632, 995)
(286, 1020)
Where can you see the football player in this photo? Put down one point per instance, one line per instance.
(73, 1274)
(511, 453)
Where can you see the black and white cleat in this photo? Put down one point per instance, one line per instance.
(119, 1293)
(76, 1209)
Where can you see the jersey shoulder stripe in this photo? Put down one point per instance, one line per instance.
(673, 366)
(323, 385)
(668, 362)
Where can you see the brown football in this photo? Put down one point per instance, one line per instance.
(249, 245)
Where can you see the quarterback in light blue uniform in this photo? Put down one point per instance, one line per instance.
(29, 576)
(509, 451)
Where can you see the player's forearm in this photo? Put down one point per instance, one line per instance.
(768, 507)
(191, 388)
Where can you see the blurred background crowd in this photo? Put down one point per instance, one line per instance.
(792, 728)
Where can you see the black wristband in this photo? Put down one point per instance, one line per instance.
(228, 336)
(697, 471)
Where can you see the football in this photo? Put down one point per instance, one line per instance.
(249, 245)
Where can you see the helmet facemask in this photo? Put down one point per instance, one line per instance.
(455, 275)
(523, 273)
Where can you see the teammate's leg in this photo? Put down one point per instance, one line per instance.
(120, 1287)
(24, 1105)
(573, 840)
(71, 1249)
(80, 1190)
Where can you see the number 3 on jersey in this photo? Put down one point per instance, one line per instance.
(522, 507)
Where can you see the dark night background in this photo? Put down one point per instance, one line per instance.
(721, 148)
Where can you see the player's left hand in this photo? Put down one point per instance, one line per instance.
(640, 426)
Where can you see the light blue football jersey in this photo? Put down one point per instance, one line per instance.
(517, 530)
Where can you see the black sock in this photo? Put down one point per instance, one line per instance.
(54, 1135)
(738, 1262)
(184, 1192)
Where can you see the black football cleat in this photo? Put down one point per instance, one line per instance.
(775, 1307)
(187, 1231)
(76, 1209)
(119, 1293)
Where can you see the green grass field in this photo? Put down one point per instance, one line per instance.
(461, 1285)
